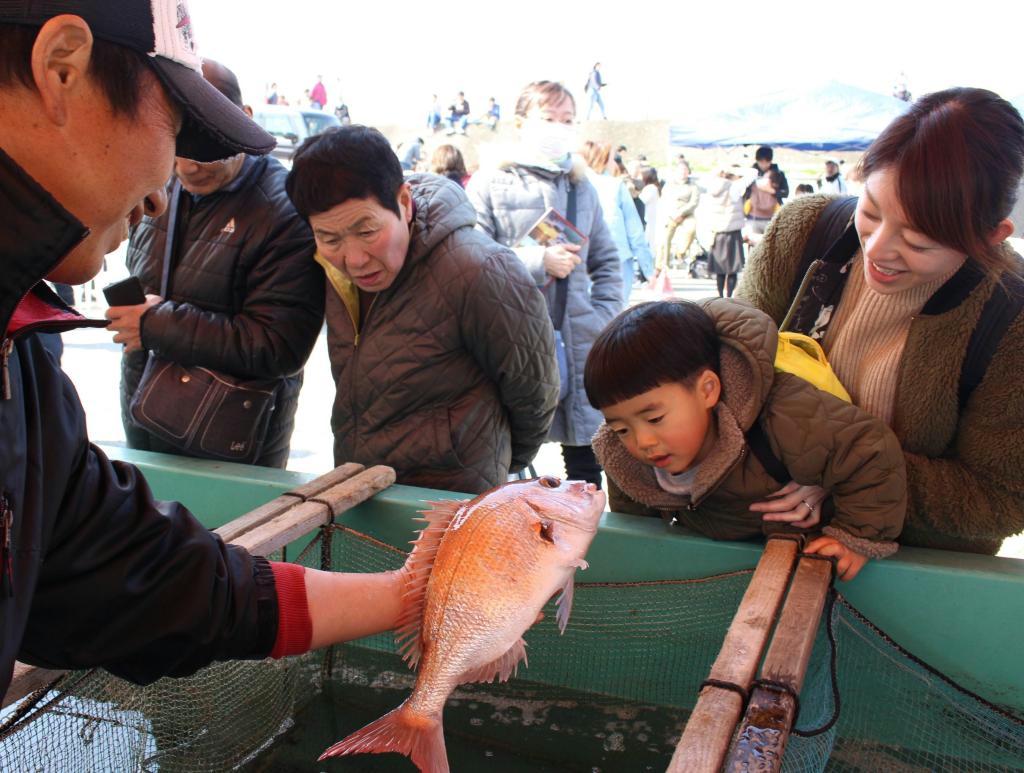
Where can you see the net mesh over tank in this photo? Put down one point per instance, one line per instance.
(612, 693)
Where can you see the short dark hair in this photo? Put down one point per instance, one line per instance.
(764, 153)
(344, 163)
(117, 69)
(647, 346)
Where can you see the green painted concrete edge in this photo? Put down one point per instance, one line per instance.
(960, 613)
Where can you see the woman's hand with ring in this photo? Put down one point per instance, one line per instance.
(797, 505)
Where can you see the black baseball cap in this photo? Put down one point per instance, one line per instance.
(213, 127)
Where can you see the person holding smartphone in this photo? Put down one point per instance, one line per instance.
(243, 296)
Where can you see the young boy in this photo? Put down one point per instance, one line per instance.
(681, 387)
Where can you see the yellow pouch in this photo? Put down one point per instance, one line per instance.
(802, 356)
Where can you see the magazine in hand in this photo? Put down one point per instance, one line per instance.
(553, 228)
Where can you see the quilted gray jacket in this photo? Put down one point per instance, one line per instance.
(451, 378)
(508, 201)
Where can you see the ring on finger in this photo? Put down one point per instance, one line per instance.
(808, 505)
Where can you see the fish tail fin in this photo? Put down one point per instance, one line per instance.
(403, 730)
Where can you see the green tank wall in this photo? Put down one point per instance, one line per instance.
(961, 613)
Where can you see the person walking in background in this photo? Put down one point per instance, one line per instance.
(594, 85)
(447, 161)
(679, 200)
(434, 114)
(650, 195)
(318, 94)
(582, 283)
(726, 191)
(272, 94)
(761, 204)
(620, 214)
(763, 164)
(833, 181)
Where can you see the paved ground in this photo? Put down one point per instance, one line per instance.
(93, 362)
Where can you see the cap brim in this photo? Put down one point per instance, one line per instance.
(213, 127)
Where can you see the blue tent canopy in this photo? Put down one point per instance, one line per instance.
(833, 116)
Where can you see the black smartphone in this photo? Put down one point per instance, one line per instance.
(127, 292)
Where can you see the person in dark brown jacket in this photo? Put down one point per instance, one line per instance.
(900, 313)
(683, 388)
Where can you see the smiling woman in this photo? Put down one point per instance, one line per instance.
(929, 284)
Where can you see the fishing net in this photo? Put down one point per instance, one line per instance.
(611, 694)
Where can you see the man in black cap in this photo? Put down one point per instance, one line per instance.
(96, 99)
(243, 295)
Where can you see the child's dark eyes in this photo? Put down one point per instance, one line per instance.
(655, 419)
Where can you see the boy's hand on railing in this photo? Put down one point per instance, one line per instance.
(848, 562)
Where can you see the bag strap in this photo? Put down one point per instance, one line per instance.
(762, 451)
(832, 242)
(172, 225)
(562, 285)
(998, 313)
(825, 238)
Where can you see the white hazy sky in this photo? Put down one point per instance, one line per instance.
(661, 60)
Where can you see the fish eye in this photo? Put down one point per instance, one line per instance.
(549, 481)
(547, 531)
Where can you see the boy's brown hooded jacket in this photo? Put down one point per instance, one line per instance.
(820, 439)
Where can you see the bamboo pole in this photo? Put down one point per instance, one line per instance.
(710, 728)
(231, 531)
(303, 518)
(768, 721)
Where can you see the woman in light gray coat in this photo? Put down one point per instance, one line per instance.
(509, 200)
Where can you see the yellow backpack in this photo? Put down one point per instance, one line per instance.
(802, 356)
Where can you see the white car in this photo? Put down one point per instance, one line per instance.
(291, 125)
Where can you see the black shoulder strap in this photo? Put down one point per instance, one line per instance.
(821, 275)
(762, 451)
(562, 285)
(827, 238)
(998, 313)
(173, 201)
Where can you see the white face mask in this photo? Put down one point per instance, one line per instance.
(548, 140)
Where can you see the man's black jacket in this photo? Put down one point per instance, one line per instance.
(95, 572)
(245, 298)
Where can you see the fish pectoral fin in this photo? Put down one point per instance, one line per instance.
(501, 669)
(564, 604)
(579, 563)
(417, 571)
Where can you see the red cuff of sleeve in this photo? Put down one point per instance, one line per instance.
(294, 625)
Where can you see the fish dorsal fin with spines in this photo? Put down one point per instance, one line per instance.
(418, 567)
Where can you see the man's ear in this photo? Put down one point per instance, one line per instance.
(60, 61)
